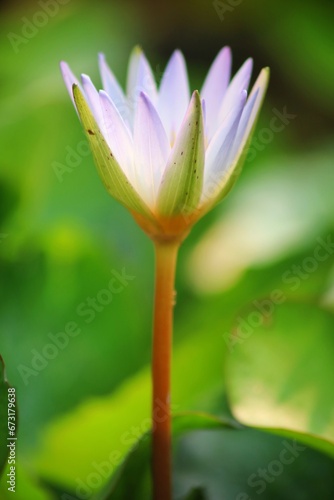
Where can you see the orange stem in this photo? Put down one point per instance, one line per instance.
(166, 256)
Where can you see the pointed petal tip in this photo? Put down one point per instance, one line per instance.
(249, 62)
(103, 95)
(87, 81)
(76, 92)
(178, 54)
(66, 70)
(225, 51)
(263, 78)
(137, 50)
(266, 70)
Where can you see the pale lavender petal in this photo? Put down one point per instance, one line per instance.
(174, 95)
(215, 86)
(239, 82)
(69, 79)
(218, 152)
(113, 88)
(118, 137)
(133, 69)
(204, 114)
(250, 113)
(93, 100)
(140, 78)
(151, 148)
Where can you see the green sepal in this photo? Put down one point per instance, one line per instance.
(181, 185)
(109, 169)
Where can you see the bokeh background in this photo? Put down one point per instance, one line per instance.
(62, 238)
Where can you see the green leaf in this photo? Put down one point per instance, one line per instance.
(280, 373)
(28, 487)
(196, 494)
(110, 171)
(4, 401)
(124, 415)
(135, 473)
(250, 464)
(182, 182)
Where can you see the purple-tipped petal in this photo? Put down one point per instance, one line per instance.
(215, 86)
(113, 88)
(174, 94)
(151, 148)
(93, 100)
(69, 79)
(118, 136)
(218, 152)
(239, 82)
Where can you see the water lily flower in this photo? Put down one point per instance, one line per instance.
(166, 155)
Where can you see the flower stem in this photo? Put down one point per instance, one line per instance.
(165, 264)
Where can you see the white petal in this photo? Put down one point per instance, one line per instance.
(140, 78)
(151, 149)
(113, 88)
(204, 114)
(239, 82)
(174, 95)
(133, 69)
(215, 86)
(93, 100)
(218, 152)
(250, 113)
(69, 79)
(118, 137)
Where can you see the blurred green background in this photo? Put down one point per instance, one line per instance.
(62, 236)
